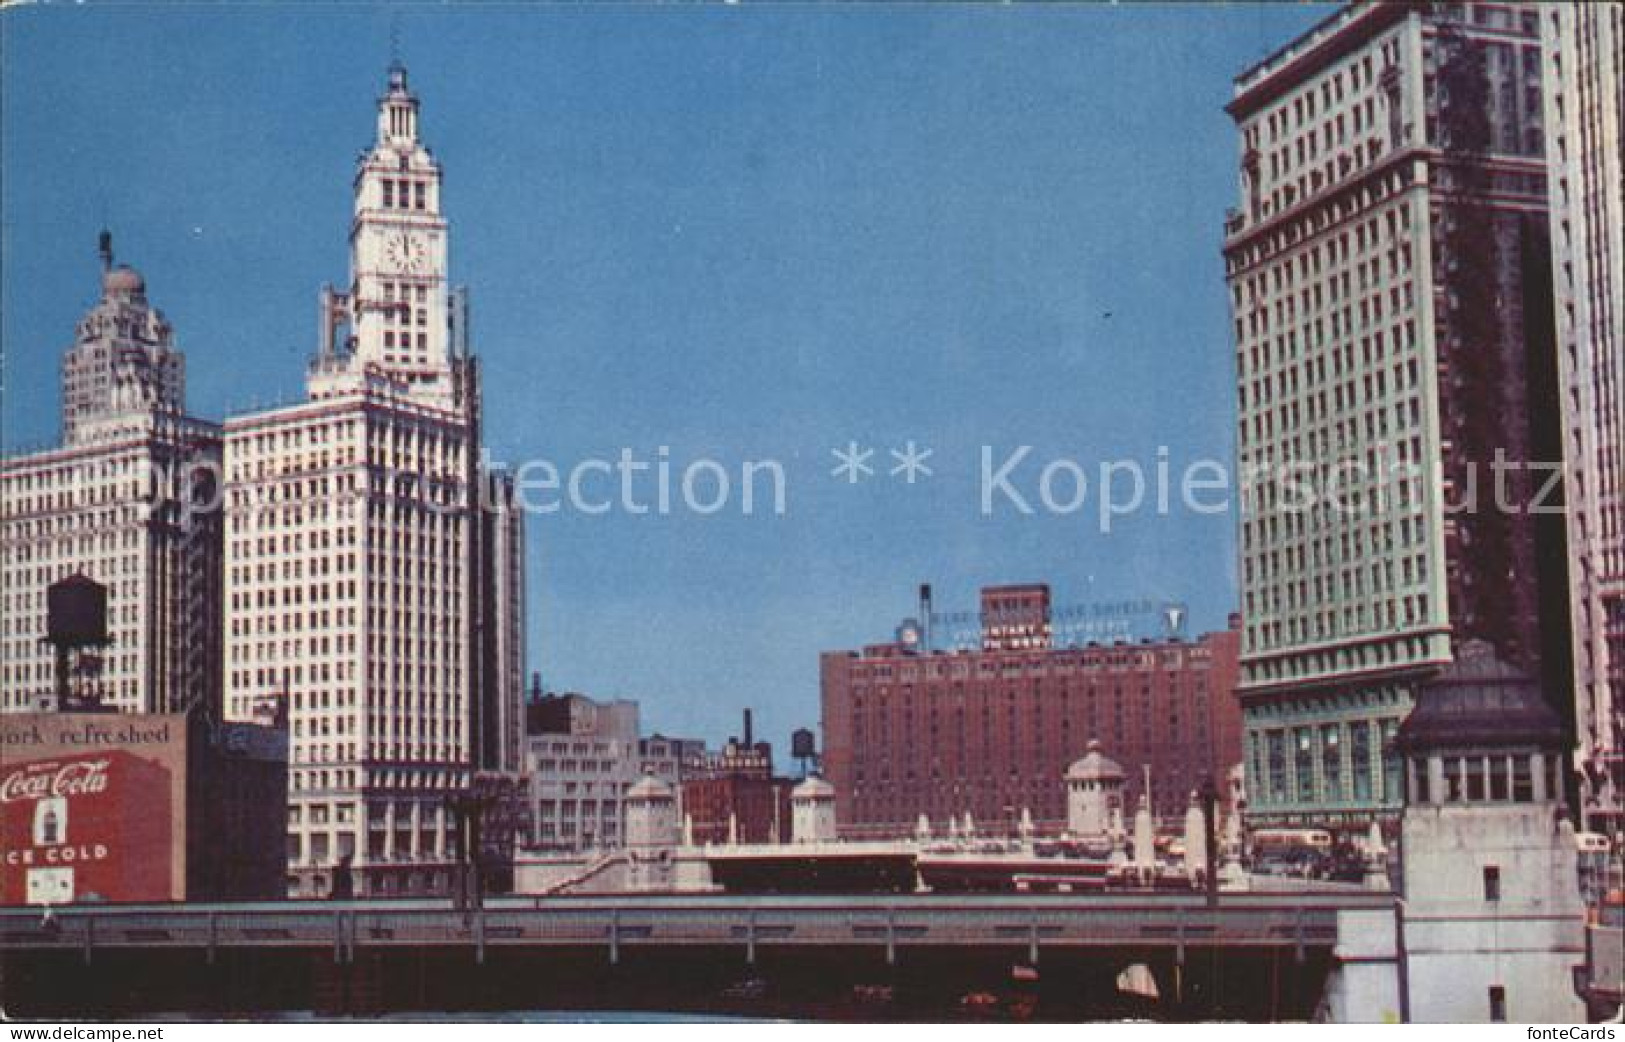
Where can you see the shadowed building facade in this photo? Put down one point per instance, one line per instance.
(1585, 110)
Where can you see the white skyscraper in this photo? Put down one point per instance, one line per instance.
(128, 500)
(362, 585)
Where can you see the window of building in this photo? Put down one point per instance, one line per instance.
(1360, 753)
(1498, 778)
(1304, 762)
(1492, 882)
(1523, 780)
(1453, 785)
(1332, 761)
(1498, 1004)
(1277, 760)
(1391, 761)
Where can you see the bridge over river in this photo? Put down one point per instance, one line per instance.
(1249, 955)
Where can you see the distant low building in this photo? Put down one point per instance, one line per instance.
(581, 756)
(732, 796)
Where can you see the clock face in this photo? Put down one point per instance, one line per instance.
(404, 251)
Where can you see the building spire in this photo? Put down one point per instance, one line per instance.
(397, 67)
(104, 247)
(398, 109)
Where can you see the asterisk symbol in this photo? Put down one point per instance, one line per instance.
(854, 465)
(911, 462)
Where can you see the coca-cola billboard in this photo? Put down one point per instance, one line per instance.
(91, 808)
(37, 781)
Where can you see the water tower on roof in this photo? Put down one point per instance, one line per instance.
(75, 624)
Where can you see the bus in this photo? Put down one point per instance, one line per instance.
(1292, 852)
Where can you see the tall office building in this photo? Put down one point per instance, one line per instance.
(128, 499)
(1585, 93)
(372, 567)
(1388, 267)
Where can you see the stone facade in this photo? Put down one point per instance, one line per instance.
(1094, 796)
(812, 811)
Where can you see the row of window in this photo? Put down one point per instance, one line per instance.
(1499, 778)
(1326, 765)
(405, 193)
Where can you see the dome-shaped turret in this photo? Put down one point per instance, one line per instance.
(1095, 766)
(650, 814)
(813, 788)
(1094, 786)
(123, 281)
(812, 811)
(1480, 703)
(649, 787)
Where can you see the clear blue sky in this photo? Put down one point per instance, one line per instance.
(746, 233)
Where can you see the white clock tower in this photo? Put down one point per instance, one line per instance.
(398, 306)
(373, 565)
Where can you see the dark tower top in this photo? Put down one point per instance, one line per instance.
(1481, 702)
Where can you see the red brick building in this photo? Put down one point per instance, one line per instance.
(991, 732)
(736, 784)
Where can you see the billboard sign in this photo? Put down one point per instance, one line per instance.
(1072, 625)
(92, 808)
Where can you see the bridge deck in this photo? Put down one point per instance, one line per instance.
(1285, 920)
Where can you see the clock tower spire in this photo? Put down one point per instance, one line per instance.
(394, 420)
(398, 304)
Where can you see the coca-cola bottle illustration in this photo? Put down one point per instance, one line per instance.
(51, 822)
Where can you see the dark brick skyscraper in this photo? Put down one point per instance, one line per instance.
(992, 731)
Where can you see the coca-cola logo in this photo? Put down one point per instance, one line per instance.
(38, 781)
